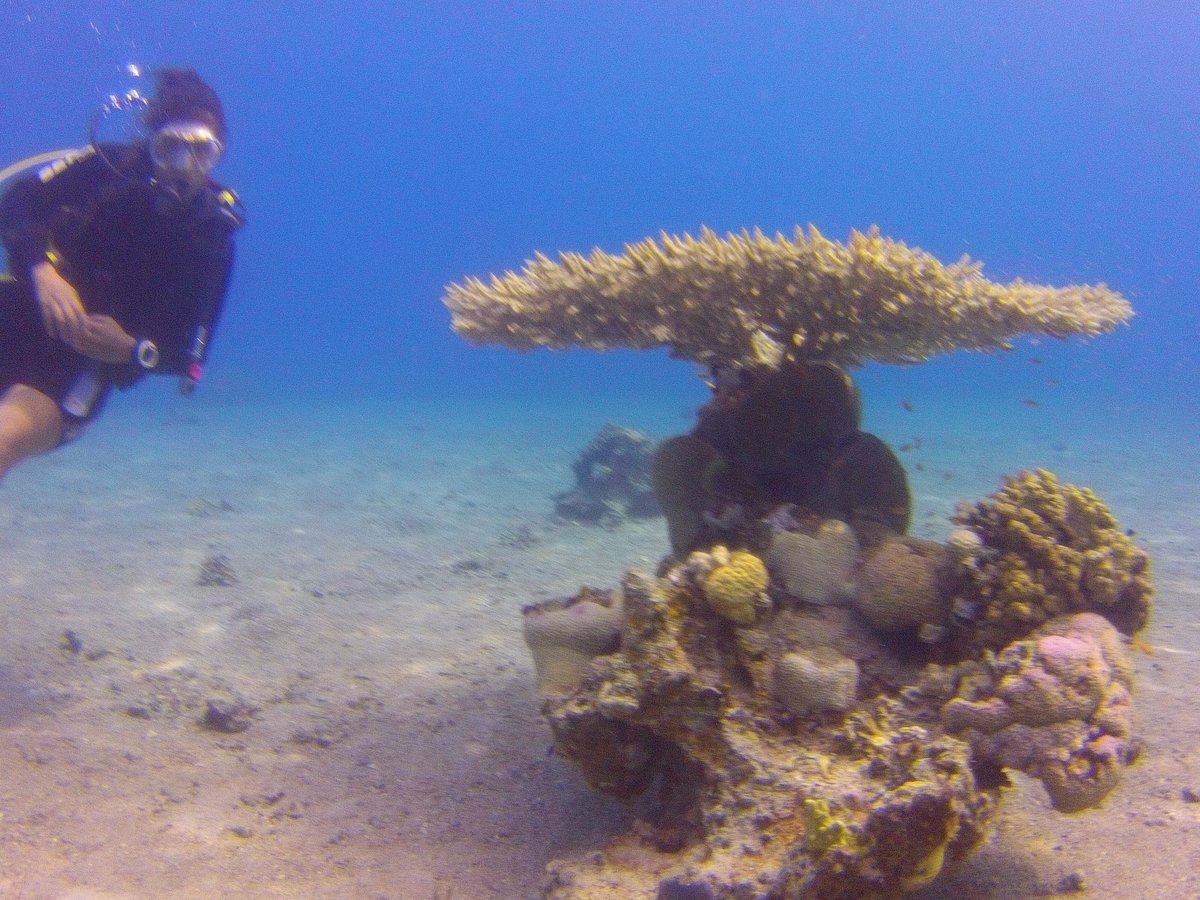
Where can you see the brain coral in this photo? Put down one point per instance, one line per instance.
(816, 679)
(734, 588)
(816, 568)
(1057, 706)
(899, 585)
(751, 300)
(1050, 549)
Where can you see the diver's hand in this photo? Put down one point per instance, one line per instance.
(104, 339)
(62, 310)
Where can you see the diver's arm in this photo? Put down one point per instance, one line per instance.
(25, 225)
(62, 311)
(29, 208)
(105, 340)
(27, 213)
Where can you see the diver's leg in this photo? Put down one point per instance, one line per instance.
(30, 424)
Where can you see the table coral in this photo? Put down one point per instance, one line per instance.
(1050, 549)
(751, 300)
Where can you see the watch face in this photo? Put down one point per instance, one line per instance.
(147, 354)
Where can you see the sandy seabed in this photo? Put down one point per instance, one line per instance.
(369, 651)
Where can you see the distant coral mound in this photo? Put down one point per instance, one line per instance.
(612, 480)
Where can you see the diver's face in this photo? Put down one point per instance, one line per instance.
(184, 153)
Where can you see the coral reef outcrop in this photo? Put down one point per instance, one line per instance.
(779, 745)
(749, 300)
(715, 729)
(804, 702)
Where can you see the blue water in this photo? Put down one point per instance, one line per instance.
(384, 150)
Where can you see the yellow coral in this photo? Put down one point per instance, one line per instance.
(927, 869)
(733, 588)
(824, 831)
(750, 300)
(1053, 549)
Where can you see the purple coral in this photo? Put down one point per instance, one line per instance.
(1057, 706)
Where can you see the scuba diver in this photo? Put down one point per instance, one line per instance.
(120, 256)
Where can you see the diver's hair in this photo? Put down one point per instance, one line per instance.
(181, 94)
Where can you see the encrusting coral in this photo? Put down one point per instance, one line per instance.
(815, 680)
(1047, 549)
(817, 567)
(749, 300)
(1057, 706)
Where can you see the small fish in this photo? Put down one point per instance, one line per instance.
(1050, 382)
(947, 476)
(1032, 404)
(918, 442)
(905, 448)
(907, 405)
(1035, 360)
(920, 467)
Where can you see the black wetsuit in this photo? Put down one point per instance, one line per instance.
(131, 248)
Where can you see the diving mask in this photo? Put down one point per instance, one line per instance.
(186, 148)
